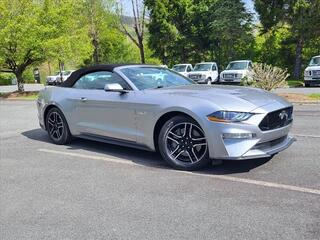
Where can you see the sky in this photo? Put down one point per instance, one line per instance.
(249, 5)
(127, 6)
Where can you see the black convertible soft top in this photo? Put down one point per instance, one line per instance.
(79, 73)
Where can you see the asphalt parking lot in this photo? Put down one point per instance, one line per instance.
(91, 190)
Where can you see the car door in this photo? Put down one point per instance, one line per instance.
(103, 114)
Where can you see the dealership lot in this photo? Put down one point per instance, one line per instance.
(91, 190)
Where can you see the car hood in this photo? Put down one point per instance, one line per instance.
(310, 68)
(231, 98)
(198, 72)
(234, 71)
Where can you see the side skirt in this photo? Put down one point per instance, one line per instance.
(114, 141)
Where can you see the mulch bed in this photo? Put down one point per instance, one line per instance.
(298, 98)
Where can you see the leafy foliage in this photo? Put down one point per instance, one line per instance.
(197, 30)
(33, 31)
(302, 18)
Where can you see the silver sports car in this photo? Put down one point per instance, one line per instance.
(154, 108)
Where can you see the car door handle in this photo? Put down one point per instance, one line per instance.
(83, 99)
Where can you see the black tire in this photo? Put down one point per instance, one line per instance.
(307, 84)
(179, 149)
(57, 127)
(209, 80)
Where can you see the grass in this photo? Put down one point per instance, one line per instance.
(315, 96)
(295, 83)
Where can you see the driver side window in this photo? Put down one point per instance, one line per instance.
(97, 80)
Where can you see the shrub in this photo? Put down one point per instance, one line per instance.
(28, 76)
(266, 77)
(6, 78)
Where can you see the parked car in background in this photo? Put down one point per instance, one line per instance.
(163, 66)
(64, 76)
(312, 72)
(236, 71)
(56, 79)
(183, 69)
(51, 80)
(206, 72)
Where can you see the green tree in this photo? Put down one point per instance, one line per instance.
(99, 19)
(34, 31)
(115, 48)
(303, 17)
(197, 30)
(225, 29)
(109, 43)
(275, 47)
(137, 36)
(67, 36)
(170, 29)
(21, 37)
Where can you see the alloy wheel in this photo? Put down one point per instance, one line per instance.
(185, 142)
(55, 125)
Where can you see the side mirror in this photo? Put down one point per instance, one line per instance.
(114, 87)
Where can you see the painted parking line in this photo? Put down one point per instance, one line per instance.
(219, 177)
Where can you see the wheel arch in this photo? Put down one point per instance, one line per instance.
(46, 110)
(164, 118)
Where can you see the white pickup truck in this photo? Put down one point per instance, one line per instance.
(312, 72)
(55, 79)
(205, 72)
(235, 71)
(183, 69)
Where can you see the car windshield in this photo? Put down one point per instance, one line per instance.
(237, 66)
(154, 77)
(179, 68)
(315, 61)
(202, 67)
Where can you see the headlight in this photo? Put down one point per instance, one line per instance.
(226, 116)
(307, 73)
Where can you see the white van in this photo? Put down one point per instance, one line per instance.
(205, 72)
(312, 72)
(235, 71)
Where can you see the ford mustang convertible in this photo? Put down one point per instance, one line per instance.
(156, 109)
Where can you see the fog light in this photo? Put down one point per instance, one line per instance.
(239, 135)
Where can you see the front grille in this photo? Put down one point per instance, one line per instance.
(276, 119)
(195, 76)
(316, 72)
(228, 75)
(271, 143)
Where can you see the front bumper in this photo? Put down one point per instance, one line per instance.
(310, 80)
(264, 150)
(230, 80)
(263, 143)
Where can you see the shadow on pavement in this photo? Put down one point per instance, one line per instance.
(150, 159)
